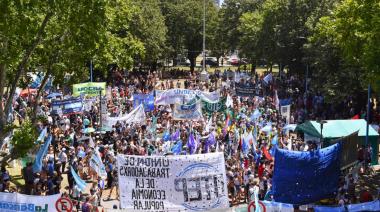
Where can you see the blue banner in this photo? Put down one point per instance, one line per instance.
(80, 183)
(37, 166)
(146, 99)
(67, 106)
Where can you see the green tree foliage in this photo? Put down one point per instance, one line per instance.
(148, 25)
(23, 140)
(228, 35)
(117, 44)
(184, 20)
(354, 27)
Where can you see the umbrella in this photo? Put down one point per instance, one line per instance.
(88, 130)
(53, 95)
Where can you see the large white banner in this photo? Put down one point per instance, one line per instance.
(137, 116)
(159, 183)
(188, 111)
(21, 202)
(175, 96)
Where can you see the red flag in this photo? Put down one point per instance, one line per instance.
(266, 154)
(356, 117)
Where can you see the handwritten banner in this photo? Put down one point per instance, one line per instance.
(156, 183)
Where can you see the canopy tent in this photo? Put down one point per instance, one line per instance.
(334, 129)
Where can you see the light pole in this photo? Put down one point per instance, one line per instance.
(204, 75)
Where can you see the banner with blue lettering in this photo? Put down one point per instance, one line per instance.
(176, 183)
(67, 106)
(191, 111)
(182, 96)
(146, 99)
(22, 202)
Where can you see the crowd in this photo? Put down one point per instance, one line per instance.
(249, 168)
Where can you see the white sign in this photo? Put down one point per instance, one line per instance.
(285, 112)
(137, 116)
(159, 183)
(21, 202)
(187, 111)
(175, 96)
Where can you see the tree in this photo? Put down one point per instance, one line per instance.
(148, 25)
(354, 27)
(184, 20)
(231, 11)
(117, 44)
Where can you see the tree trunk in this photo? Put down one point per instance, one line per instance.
(21, 67)
(191, 55)
(35, 105)
(2, 117)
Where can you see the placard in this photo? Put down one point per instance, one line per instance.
(89, 89)
(158, 183)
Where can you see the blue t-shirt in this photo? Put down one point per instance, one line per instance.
(50, 168)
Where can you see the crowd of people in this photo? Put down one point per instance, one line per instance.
(249, 168)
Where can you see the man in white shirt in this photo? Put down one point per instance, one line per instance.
(62, 157)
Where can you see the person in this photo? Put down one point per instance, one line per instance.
(114, 184)
(62, 157)
(86, 206)
(28, 176)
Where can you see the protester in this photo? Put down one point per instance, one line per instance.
(248, 130)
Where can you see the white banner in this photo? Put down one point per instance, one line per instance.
(173, 96)
(20, 202)
(187, 111)
(285, 112)
(160, 183)
(137, 116)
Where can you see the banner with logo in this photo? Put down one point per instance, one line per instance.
(192, 111)
(89, 89)
(146, 99)
(175, 183)
(245, 90)
(176, 96)
(208, 107)
(137, 116)
(67, 106)
(21, 202)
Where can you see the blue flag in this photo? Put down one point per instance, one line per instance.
(210, 141)
(191, 144)
(175, 136)
(245, 145)
(80, 183)
(37, 166)
(42, 135)
(255, 115)
(275, 140)
(177, 148)
(166, 136)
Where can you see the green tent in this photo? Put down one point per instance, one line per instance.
(334, 129)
